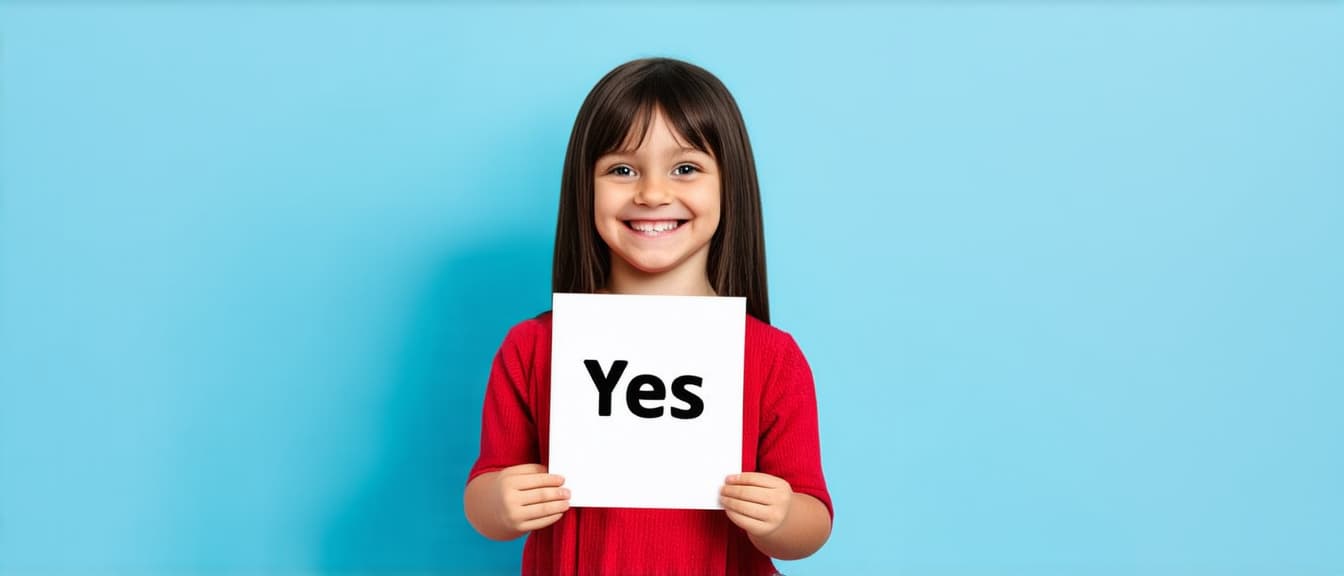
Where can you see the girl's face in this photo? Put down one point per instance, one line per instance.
(657, 206)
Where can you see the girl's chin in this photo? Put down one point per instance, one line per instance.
(653, 260)
(652, 264)
(652, 267)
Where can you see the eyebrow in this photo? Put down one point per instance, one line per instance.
(671, 152)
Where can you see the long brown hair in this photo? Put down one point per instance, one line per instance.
(702, 112)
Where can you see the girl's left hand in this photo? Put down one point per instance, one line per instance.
(756, 502)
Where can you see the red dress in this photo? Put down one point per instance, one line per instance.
(779, 437)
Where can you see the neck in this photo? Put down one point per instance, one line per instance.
(688, 279)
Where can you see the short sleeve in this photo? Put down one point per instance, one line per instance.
(790, 445)
(508, 429)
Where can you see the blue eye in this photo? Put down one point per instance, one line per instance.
(678, 170)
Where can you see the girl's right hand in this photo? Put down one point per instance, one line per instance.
(531, 499)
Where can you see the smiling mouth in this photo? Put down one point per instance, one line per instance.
(654, 227)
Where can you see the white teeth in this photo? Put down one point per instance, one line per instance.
(660, 226)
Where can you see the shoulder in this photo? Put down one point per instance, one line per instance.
(530, 331)
(526, 349)
(776, 362)
(528, 337)
(768, 336)
(770, 344)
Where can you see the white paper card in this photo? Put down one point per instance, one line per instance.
(649, 447)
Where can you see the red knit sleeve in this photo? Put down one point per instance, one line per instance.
(508, 430)
(790, 443)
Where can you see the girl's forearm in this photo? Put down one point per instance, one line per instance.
(806, 528)
(479, 503)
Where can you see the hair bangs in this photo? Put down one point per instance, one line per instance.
(623, 123)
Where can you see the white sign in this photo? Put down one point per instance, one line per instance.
(646, 398)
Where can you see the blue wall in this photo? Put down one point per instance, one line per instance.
(1069, 274)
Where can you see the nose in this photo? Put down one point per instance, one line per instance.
(652, 192)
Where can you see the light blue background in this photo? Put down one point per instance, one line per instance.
(1069, 274)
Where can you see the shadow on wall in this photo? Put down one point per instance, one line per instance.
(407, 516)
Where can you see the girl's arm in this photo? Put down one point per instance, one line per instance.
(781, 523)
(505, 500)
(508, 503)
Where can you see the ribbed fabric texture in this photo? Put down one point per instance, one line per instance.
(779, 437)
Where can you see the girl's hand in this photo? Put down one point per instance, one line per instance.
(756, 502)
(530, 499)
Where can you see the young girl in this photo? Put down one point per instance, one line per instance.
(659, 196)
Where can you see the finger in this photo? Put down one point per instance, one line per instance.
(747, 523)
(756, 479)
(531, 481)
(750, 509)
(548, 494)
(541, 510)
(749, 493)
(539, 523)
